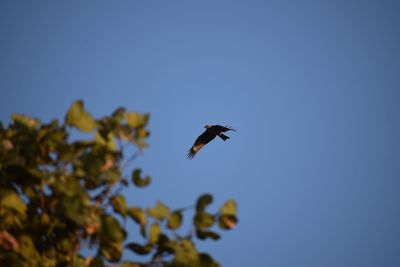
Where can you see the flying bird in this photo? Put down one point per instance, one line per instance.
(209, 134)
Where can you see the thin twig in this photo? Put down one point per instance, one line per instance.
(130, 159)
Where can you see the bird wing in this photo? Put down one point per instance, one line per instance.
(193, 150)
(220, 128)
(201, 141)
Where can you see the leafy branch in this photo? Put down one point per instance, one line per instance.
(60, 194)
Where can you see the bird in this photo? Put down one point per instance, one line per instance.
(209, 134)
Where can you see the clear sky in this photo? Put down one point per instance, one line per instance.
(312, 87)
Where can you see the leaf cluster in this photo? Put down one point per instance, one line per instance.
(59, 195)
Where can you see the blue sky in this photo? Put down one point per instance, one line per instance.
(312, 87)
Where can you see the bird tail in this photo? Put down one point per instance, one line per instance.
(229, 128)
(223, 137)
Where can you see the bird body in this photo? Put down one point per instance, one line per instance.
(208, 135)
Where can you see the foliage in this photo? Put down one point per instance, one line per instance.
(60, 197)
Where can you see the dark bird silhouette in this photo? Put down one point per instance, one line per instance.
(209, 134)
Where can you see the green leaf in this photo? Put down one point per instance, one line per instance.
(159, 212)
(112, 251)
(227, 222)
(164, 244)
(79, 118)
(185, 254)
(207, 234)
(111, 175)
(154, 233)
(174, 220)
(97, 262)
(21, 175)
(65, 244)
(11, 200)
(111, 230)
(136, 120)
(203, 201)
(92, 163)
(207, 261)
(27, 249)
(119, 113)
(131, 264)
(119, 204)
(139, 249)
(229, 208)
(24, 120)
(72, 208)
(138, 215)
(138, 181)
(142, 133)
(108, 142)
(203, 220)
